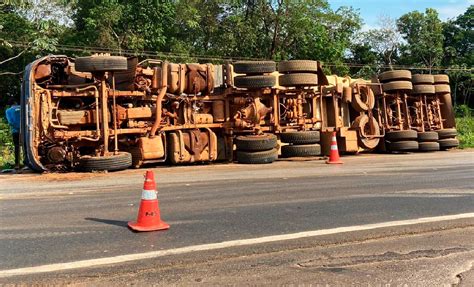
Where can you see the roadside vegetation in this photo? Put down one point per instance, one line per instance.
(7, 158)
(465, 126)
(222, 30)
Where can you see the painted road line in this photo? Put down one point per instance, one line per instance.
(220, 245)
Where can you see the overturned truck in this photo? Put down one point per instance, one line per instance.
(109, 112)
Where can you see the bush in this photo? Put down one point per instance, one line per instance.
(7, 154)
(465, 127)
(463, 111)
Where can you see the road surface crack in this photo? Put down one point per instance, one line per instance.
(389, 256)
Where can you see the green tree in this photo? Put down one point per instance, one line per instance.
(423, 33)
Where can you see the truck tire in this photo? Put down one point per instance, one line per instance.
(254, 67)
(441, 79)
(258, 157)
(423, 89)
(396, 75)
(301, 138)
(256, 142)
(298, 66)
(447, 133)
(101, 64)
(428, 137)
(254, 82)
(442, 89)
(401, 136)
(422, 79)
(445, 144)
(403, 146)
(298, 79)
(428, 146)
(122, 160)
(306, 150)
(363, 122)
(397, 86)
(365, 103)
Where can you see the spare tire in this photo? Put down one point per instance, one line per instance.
(423, 89)
(101, 64)
(302, 137)
(254, 67)
(306, 150)
(396, 75)
(428, 136)
(122, 160)
(256, 142)
(258, 157)
(397, 86)
(299, 79)
(401, 135)
(298, 66)
(254, 82)
(362, 123)
(422, 79)
(364, 101)
(441, 79)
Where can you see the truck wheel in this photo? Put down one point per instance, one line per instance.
(447, 133)
(254, 82)
(101, 63)
(423, 89)
(364, 101)
(403, 146)
(301, 138)
(397, 86)
(306, 150)
(428, 146)
(258, 157)
(401, 135)
(441, 79)
(428, 136)
(448, 143)
(298, 66)
(442, 89)
(256, 142)
(122, 160)
(422, 79)
(298, 79)
(254, 67)
(364, 123)
(396, 75)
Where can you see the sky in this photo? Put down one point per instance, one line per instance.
(371, 10)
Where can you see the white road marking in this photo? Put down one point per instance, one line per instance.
(220, 245)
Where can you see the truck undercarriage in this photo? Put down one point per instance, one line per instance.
(108, 112)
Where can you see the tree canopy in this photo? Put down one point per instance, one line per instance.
(219, 30)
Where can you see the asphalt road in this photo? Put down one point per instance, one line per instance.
(60, 218)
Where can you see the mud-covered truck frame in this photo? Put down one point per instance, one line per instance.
(109, 112)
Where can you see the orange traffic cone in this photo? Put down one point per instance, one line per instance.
(149, 218)
(334, 153)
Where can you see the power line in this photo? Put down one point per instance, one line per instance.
(75, 48)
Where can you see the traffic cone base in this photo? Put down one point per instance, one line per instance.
(149, 218)
(334, 153)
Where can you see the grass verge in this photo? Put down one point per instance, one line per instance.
(7, 155)
(465, 127)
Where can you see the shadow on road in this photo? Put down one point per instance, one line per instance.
(109, 221)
